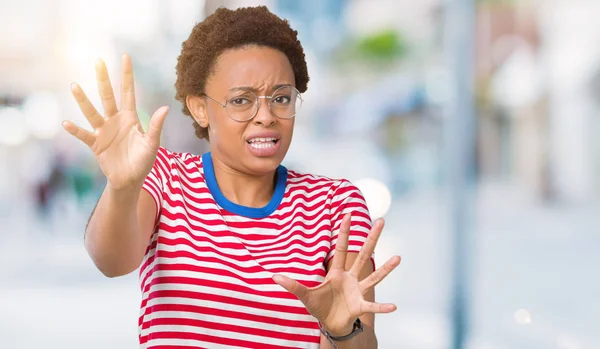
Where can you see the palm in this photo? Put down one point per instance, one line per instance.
(339, 300)
(124, 152)
(339, 297)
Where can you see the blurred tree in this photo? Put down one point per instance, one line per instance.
(379, 48)
(385, 45)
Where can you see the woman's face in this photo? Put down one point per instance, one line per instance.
(259, 145)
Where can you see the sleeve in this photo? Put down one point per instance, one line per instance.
(157, 178)
(347, 198)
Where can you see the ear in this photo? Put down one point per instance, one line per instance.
(197, 106)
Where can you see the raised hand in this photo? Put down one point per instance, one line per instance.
(124, 152)
(339, 300)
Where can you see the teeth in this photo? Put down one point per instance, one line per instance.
(261, 145)
(253, 140)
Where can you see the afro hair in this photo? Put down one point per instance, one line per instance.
(231, 29)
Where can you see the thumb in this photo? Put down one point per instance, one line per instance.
(156, 124)
(292, 286)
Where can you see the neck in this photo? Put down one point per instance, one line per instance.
(247, 190)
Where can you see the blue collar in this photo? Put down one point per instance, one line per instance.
(252, 212)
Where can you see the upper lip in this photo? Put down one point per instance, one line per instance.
(270, 134)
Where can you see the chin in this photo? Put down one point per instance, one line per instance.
(263, 165)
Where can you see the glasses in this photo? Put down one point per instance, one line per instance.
(242, 105)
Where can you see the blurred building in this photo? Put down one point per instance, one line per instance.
(536, 111)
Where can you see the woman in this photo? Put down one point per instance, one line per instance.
(221, 238)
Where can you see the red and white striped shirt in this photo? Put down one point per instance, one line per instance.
(206, 277)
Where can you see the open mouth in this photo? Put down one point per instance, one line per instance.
(262, 143)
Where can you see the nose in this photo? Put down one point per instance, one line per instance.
(263, 115)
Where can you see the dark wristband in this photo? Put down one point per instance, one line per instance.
(356, 329)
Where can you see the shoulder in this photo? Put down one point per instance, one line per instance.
(339, 195)
(335, 186)
(169, 155)
(169, 158)
(168, 161)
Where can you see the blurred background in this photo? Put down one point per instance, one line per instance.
(505, 229)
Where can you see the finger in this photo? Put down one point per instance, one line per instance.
(87, 108)
(292, 286)
(367, 249)
(375, 277)
(85, 136)
(341, 245)
(377, 308)
(105, 88)
(127, 85)
(156, 124)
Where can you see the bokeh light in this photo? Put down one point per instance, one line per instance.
(13, 129)
(42, 114)
(522, 317)
(377, 195)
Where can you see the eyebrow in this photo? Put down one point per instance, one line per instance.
(249, 88)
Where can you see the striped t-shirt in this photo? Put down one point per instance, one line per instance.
(206, 277)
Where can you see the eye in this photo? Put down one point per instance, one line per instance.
(239, 101)
(282, 99)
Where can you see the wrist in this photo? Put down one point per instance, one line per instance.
(123, 193)
(124, 189)
(339, 331)
(357, 328)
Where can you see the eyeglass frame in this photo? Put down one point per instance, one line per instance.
(257, 104)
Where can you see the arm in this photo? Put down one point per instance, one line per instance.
(366, 339)
(347, 292)
(119, 229)
(347, 198)
(123, 221)
(341, 298)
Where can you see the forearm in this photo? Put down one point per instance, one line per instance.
(113, 238)
(364, 340)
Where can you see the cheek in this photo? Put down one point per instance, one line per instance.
(225, 131)
(287, 130)
(287, 126)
